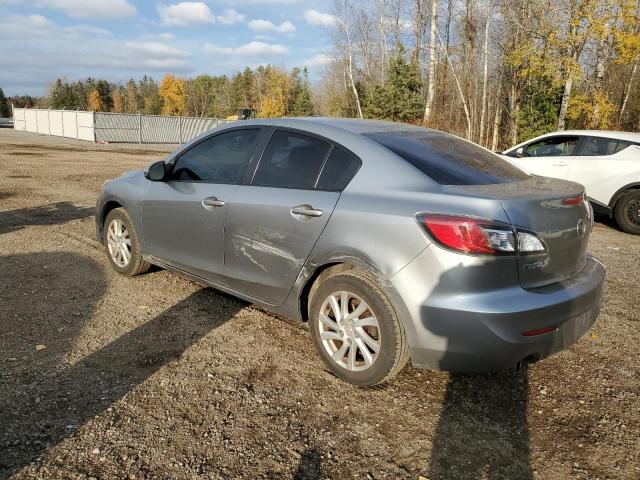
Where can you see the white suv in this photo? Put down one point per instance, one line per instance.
(606, 163)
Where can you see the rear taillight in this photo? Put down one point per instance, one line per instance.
(469, 235)
(477, 235)
(571, 201)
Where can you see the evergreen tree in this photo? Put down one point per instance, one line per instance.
(399, 98)
(300, 104)
(5, 110)
(150, 96)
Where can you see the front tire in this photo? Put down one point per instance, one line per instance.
(627, 212)
(356, 330)
(122, 244)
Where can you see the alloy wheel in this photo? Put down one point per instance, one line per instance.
(633, 211)
(349, 331)
(119, 243)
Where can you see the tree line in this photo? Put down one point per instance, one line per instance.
(271, 91)
(493, 71)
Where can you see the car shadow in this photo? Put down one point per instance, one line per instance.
(46, 303)
(51, 214)
(309, 466)
(482, 431)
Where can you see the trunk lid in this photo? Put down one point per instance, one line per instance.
(555, 212)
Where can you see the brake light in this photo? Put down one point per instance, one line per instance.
(540, 331)
(571, 201)
(469, 235)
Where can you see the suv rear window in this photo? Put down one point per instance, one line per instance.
(447, 159)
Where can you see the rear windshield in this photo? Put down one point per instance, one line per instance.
(447, 159)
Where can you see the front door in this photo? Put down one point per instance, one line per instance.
(273, 223)
(549, 157)
(183, 218)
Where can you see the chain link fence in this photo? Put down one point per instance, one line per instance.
(112, 127)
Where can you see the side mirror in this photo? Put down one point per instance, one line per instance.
(520, 152)
(156, 172)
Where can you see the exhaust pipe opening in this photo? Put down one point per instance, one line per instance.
(529, 359)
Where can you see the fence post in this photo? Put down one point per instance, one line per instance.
(93, 124)
(62, 120)
(77, 129)
(49, 119)
(180, 129)
(37, 130)
(139, 128)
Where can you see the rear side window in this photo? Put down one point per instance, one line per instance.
(291, 160)
(338, 171)
(447, 159)
(596, 146)
(220, 159)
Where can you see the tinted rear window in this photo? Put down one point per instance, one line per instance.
(447, 159)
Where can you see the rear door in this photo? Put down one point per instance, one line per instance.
(550, 156)
(603, 167)
(183, 218)
(274, 222)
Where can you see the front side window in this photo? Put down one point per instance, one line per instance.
(552, 147)
(596, 146)
(220, 159)
(447, 159)
(291, 160)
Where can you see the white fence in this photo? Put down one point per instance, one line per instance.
(61, 123)
(112, 127)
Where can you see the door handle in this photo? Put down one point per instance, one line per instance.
(306, 211)
(212, 202)
(560, 163)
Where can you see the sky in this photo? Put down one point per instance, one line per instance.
(41, 40)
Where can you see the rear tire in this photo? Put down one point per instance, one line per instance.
(122, 244)
(364, 346)
(627, 212)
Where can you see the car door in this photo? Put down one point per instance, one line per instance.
(603, 167)
(549, 156)
(183, 217)
(274, 222)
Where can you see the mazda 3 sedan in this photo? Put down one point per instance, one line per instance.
(392, 241)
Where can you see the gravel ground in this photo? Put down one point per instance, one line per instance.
(156, 377)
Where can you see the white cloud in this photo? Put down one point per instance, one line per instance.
(91, 8)
(230, 16)
(36, 51)
(261, 25)
(319, 19)
(250, 49)
(155, 49)
(184, 14)
(318, 60)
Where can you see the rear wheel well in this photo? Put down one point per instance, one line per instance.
(621, 193)
(315, 279)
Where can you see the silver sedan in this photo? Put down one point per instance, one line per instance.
(392, 241)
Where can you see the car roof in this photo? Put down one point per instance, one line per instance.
(629, 136)
(353, 125)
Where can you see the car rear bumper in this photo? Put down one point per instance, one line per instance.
(483, 332)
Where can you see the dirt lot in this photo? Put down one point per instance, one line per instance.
(156, 377)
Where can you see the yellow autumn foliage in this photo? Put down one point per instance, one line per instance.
(173, 91)
(95, 101)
